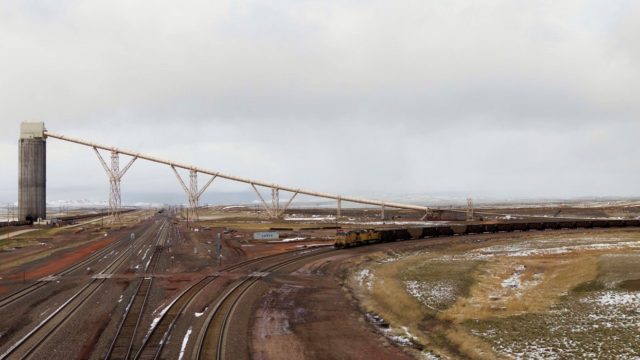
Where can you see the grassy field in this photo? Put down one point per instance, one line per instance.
(547, 295)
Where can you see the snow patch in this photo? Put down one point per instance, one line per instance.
(612, 298)
(546, 247)
(185, 340)
(399, 223)
(432, 294)
(157, 319)
(145, 254)
(294, 239)
(312, 218)
(365, 278)
(305, 246)
(513, 281)
(404, 339)
(233, 207)
(580, 327)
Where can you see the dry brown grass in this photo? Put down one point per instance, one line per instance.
(471, 346)
(391, 298)
(547, 282)
(488, 298)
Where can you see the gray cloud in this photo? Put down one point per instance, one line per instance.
(496, 98)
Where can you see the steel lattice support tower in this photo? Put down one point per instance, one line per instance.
(275, 201)
(115, 176)
(275, 211)
(193, 193)
(194, 200)
(114, 195)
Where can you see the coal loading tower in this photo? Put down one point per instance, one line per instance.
(32, 178)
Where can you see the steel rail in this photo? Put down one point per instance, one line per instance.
(153, 348)
(64, 311)
(240, 288)
(84, 294)
(19, 294)
(122, 343)
(238, 178)
(45, 328)
(130, 305)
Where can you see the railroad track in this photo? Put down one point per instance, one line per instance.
(122, 345)
(154, 342)
(17, 295)
(29, 343)
(214, 331)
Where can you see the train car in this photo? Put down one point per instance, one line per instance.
(371, 236)
(401, 234)
(535, 226)
(504, 227)
(368, 236)
(475, 229)
(429, 231)
(568, 225)
(620, 223)
(445, 231)
(345, 239)
(583, 224)
(387, 236)
(490, 228)
(415, 233)
(600, 223)
(551, 225)
(458, 229)
(520, 226)
(359, 237)
(15, 223)
(634, 222)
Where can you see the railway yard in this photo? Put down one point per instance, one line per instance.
(152, 286)
(320, 180)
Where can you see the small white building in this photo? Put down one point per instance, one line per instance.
(266, 235)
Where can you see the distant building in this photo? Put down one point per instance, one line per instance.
(266, 235)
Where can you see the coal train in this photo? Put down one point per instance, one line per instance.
(371, 236)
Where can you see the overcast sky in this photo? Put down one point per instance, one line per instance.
(490, 98)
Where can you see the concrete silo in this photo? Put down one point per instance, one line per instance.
(32, 178)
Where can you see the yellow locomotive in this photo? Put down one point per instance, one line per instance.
(356, 238)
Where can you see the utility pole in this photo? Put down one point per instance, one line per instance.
(131, 238)
(219, 249)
